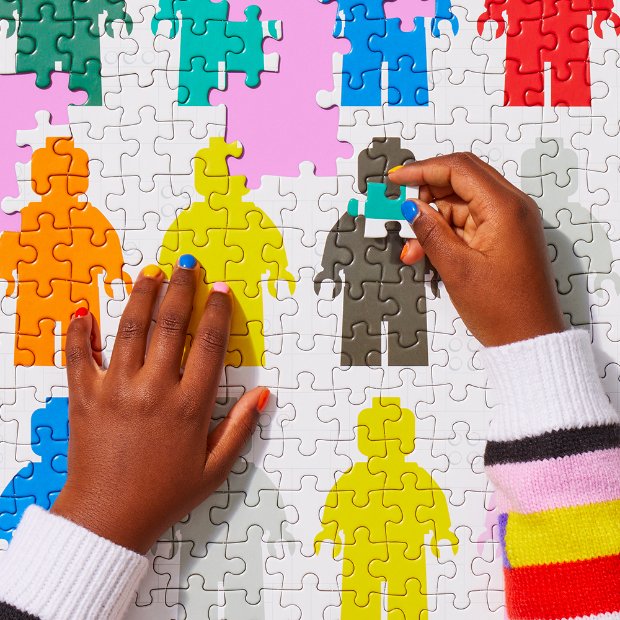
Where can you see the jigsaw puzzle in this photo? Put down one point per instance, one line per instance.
(259, 138)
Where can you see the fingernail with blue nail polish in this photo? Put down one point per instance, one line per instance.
(410, 210)
(187, 261)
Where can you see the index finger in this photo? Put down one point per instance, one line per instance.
(462, 174)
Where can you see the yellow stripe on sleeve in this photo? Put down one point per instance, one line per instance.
(564, 534)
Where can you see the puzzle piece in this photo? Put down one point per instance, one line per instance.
(205, 132)
(40, 481)
(212, 46)
(59, 35)
(253, 245)
(378, 514)
(43, 262)
(378, 41)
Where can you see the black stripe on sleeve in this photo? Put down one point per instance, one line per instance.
(552, 445)
(8, 612)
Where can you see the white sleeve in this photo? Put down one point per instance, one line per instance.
(57, 570)
(546, 384)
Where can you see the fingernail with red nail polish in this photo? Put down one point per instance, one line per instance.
(262, 400)
(80, 313)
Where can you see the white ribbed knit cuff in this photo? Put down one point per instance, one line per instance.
(546, 384)
(55, 569)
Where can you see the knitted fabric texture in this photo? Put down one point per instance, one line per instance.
(554, 458)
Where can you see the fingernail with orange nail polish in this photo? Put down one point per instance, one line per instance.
(262, 400)
(152, 271)
(404, 251)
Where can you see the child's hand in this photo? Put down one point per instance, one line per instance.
(487, 243)
(140, 454)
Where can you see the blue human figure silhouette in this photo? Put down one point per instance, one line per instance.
(39, 483)
(377, 41)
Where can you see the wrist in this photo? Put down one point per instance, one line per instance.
(545, 384)
(126, 530)
(54, 568)
(521, 333)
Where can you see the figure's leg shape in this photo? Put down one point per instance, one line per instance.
(34, 341)
(368, 94)
(361, 588)
(410, 81)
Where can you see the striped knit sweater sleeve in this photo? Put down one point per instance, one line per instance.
(554, 457)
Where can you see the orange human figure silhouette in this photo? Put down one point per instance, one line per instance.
(54, 261)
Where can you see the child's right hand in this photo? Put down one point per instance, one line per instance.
(487, 243)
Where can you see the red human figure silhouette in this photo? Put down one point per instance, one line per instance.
(553, 31)
(54, 261)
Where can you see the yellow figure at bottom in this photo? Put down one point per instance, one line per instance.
(379, 513)
(236, 243)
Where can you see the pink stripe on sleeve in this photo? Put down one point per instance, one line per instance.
(573, 480)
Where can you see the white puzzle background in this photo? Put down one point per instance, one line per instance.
(567, 158)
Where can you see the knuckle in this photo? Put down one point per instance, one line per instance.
(244, 430)
(523, 207)
(75, 354)
(182, 279)
(212, 340)
(143, 287)
(220, 303)
(131, 327)
(172, 323)
(427, 231)
(464, 160)
(75, 330)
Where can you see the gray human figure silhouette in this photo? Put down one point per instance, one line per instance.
(225, 542)
(376, 288)
(579, 244)
(374, 163)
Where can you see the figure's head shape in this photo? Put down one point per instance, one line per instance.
(386, 429)
(211, 163)
(60, 168)
(50, 425)
(548, 171)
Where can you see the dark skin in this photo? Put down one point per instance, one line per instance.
(141, 455)
(487, 242)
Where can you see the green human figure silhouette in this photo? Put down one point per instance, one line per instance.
(379, 513)
(63, 35)
(236, 243)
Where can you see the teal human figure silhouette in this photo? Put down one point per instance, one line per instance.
(39, 482)
(212, 46)
(54, 33)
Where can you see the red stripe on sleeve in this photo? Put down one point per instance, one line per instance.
(566, 590)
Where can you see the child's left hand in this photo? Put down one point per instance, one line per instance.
(140, 453)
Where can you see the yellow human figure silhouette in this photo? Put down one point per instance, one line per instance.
(236, 243)
(54, 261)
(379, 513)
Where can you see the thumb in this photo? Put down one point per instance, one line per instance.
(226, 442)
(445, 249)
